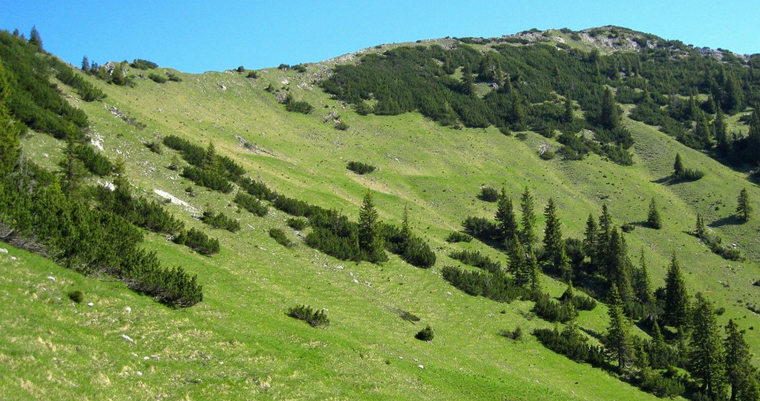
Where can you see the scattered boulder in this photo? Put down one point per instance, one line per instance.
(127, 338)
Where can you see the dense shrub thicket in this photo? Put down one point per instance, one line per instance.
(198, 241)
(251, 204)
(360, 168)
(316, 318)
(220, 220)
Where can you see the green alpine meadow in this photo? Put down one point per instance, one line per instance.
(548, 215)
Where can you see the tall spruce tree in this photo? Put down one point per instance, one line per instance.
(370, 237)
(707, 358)
(676, 297)
(642, 287)
(609, 116)
(653, 217)
(590, 242)
(658, 349)
(700, 231)
(678, 168)
(743, 206)
(527, 234)
(554, 245)
(740, 373)
(618, 343)
(505, 217)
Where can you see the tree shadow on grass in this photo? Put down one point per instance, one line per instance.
(726, 221)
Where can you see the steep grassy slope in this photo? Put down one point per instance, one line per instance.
(238, 343)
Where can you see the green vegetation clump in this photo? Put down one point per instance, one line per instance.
(307, 314)
(220, 220)
(297, 223)
(297, 106)
(157, 78)
(475, 258)
(425, 334)
(198, 241)
(488, 194)
(457, 236)
(279, 236)
(208, 179)
(251, 204)
(141, 64)
(360, 168)
(76, 296)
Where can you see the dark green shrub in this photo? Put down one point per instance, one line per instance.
(299, 68)
(174, 77)
(360, 168)
(308, 315)
(206, 178)
(251, 204)
(627, 227)
(220, 220)
(456, 236)
(143, 64)
(280, 237)
(240, 69)
(94, 161)
(341, 125)
(297, 223)
(198, 241)
(408, 316)
(155, 147)
(476, 259)
(298, 106)
(76, 296)
(481, 228)
(515, 334)
(157, 78)
(252, 75)
(425, 334)
(547, 155)
(488, 194)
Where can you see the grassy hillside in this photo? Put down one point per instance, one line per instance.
(239, 344)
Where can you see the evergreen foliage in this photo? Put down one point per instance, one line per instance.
(488, 194)
(707, 358)
(456, 236)
(680, 173)
(527, 233)
(220, 220)
(618, 342)
(315, 318)
(360, 168)
(425, 334)
(653, 217)
(554, 246)
(743, 206)
(279, 236)
(370, 238)
(676, 297)
(297, 223)
(505, 217)
(198, 241)
(251, 204)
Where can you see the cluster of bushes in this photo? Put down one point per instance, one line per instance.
(715, 243)
(157, 78)
(207, 178)
(334, 235)
(553, 311)
(43, 219)
(456, 236)
(297, 106)
(141, 64)
(475, 258)
(257, 189)
(198, 241)
(294, 207)
(251, 204)
(32, 99)
(413, 249)
(481, 228)
(360, 168)
(309, 315)
(220, 220)
(139, 211)
(488, 194)
(206, 159)
(497, 287)
(279, 236)
(571, 343)
(297, 223)
(86, 90)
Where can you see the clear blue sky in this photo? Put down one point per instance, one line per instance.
(197, 36)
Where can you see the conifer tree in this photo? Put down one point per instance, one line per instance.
(554, 245)
(517, 262)
(590, 241)
(35, 38)
(720, 132)
(707, 358)
(73, 170)
(370, 237)
(527, 235)
(85, 64)
(642, 287)
(505, 216)
(653, 217)
(568, 116)
(618, 342)
(609, 116)
(678, 168)
(743, 207)
(740, 373)
(616, 266)
(676, 297)
(700, 231)
(533, 272)
(658, 348)
(210, 161)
